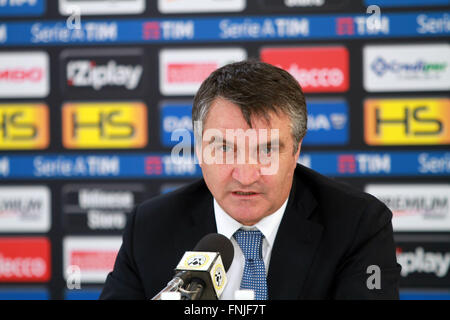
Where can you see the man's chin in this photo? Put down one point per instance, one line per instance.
(245, 216)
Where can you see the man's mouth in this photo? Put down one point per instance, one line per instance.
(245, 193)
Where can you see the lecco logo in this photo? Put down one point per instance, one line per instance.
(317, 69)
(104, 125)
(24, 126)
(25, 260)
(24, 74)
(407, 121)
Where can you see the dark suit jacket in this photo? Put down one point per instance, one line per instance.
(329, 235)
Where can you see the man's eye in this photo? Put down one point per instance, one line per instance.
(268, 149)
(225, 148)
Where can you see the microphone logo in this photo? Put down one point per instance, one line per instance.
(219, 277)
(196, 260)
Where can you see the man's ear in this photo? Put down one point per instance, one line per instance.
(297, 154)
(198, 142)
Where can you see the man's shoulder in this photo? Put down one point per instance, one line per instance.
(336, 196)
(169, 204)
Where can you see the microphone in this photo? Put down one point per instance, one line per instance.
(201, 273)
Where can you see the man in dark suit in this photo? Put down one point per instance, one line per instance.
(296, 233)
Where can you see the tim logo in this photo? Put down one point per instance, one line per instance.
(153, 165)
(362, 25)
(364, 163)
(346, 163)
(151, 31)
(345, 26)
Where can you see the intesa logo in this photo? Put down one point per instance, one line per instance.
(24, 74)
(317, 69)
(25, 260)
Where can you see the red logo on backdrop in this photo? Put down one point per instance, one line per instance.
(189, 72)
(346, 163)
(317, 69)
(93, 260)
(21, 74)
(150, 31)
(345, 26)
(153, 165)
(25, 260)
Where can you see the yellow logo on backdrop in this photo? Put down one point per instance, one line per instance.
(104, 125)
(415, 121)
(24, 126)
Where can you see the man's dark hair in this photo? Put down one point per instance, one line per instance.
(257, 88)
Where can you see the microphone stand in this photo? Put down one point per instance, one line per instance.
(174, 285)
(193, 291)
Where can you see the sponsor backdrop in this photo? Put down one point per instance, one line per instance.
(93, 94)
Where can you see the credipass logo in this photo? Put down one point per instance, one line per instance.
(317, 69)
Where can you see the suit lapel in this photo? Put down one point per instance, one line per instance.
(295, 245)
(197, 222)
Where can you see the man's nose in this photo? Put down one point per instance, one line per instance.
(246, 174)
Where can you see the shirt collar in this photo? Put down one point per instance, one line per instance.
(227, 226)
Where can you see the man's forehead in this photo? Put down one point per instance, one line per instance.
(224, 114)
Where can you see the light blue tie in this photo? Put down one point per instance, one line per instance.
(254, 277)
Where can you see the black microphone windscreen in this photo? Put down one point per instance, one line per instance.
(216, 242)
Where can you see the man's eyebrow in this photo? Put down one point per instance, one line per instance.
(225, 142)
(273, 142)
(221, 140)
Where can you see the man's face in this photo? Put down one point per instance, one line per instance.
(243, 188)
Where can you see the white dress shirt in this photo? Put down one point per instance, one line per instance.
(227, 226)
